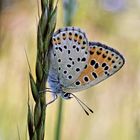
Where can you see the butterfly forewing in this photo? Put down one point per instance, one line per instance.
(70, 47)
(102, 63)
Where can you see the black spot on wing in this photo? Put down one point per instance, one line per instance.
(77, 69)
(94, 75)
(92, 62)
(77, 83)
(83, 59)
(60, 49)
(86, 79)
(68, 65)
(96, 65)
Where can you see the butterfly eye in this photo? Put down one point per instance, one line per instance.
(67, 96)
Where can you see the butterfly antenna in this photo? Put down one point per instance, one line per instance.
(82, 106)
(81, 102)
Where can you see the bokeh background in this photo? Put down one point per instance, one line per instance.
(115, 101)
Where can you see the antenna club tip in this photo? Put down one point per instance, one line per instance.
(86, 112)
(91, 111)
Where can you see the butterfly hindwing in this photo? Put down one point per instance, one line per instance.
(102, 63)
(70, 47)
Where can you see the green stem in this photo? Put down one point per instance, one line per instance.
(59, 120)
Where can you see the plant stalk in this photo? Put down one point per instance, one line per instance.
(46, 26)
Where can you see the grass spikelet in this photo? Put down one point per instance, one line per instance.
(46, 26)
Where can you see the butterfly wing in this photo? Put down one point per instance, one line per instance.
(102, 63)
(70, 48)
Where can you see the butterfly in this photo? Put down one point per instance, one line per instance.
(77, 64)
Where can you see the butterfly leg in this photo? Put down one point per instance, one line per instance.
(45, 90)
(53, 99)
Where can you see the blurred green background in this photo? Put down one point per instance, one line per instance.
(116, 101)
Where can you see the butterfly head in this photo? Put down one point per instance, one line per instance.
(66, 96)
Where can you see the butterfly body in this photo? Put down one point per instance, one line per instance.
(77, 64)
(53, 78)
